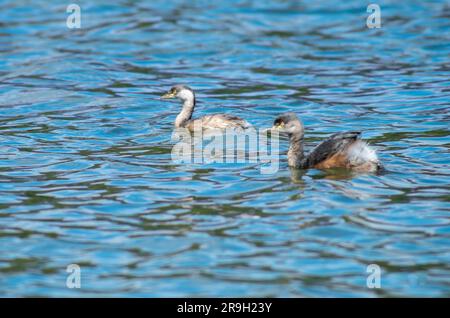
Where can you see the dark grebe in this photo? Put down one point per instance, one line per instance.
(341, 150)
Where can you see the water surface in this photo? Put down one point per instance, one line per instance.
(86, 175)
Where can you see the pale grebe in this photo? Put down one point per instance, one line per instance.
(184, 118)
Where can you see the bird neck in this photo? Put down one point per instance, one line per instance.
(295, 153)
(186, 112)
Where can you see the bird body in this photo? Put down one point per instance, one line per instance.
(218, 121)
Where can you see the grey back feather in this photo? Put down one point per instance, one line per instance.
(335, 143)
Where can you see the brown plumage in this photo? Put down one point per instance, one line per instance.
(336, 160)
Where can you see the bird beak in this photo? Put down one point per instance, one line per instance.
(168, 95)
(277, 127)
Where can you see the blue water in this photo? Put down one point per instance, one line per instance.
(86, 175)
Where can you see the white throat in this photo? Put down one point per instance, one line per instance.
(186, 95)
(185, 115)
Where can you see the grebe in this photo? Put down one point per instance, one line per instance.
(216, 121)
(341, 150)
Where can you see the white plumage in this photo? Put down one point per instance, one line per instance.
(360, 153)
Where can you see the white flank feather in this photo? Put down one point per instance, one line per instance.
(360, 152)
